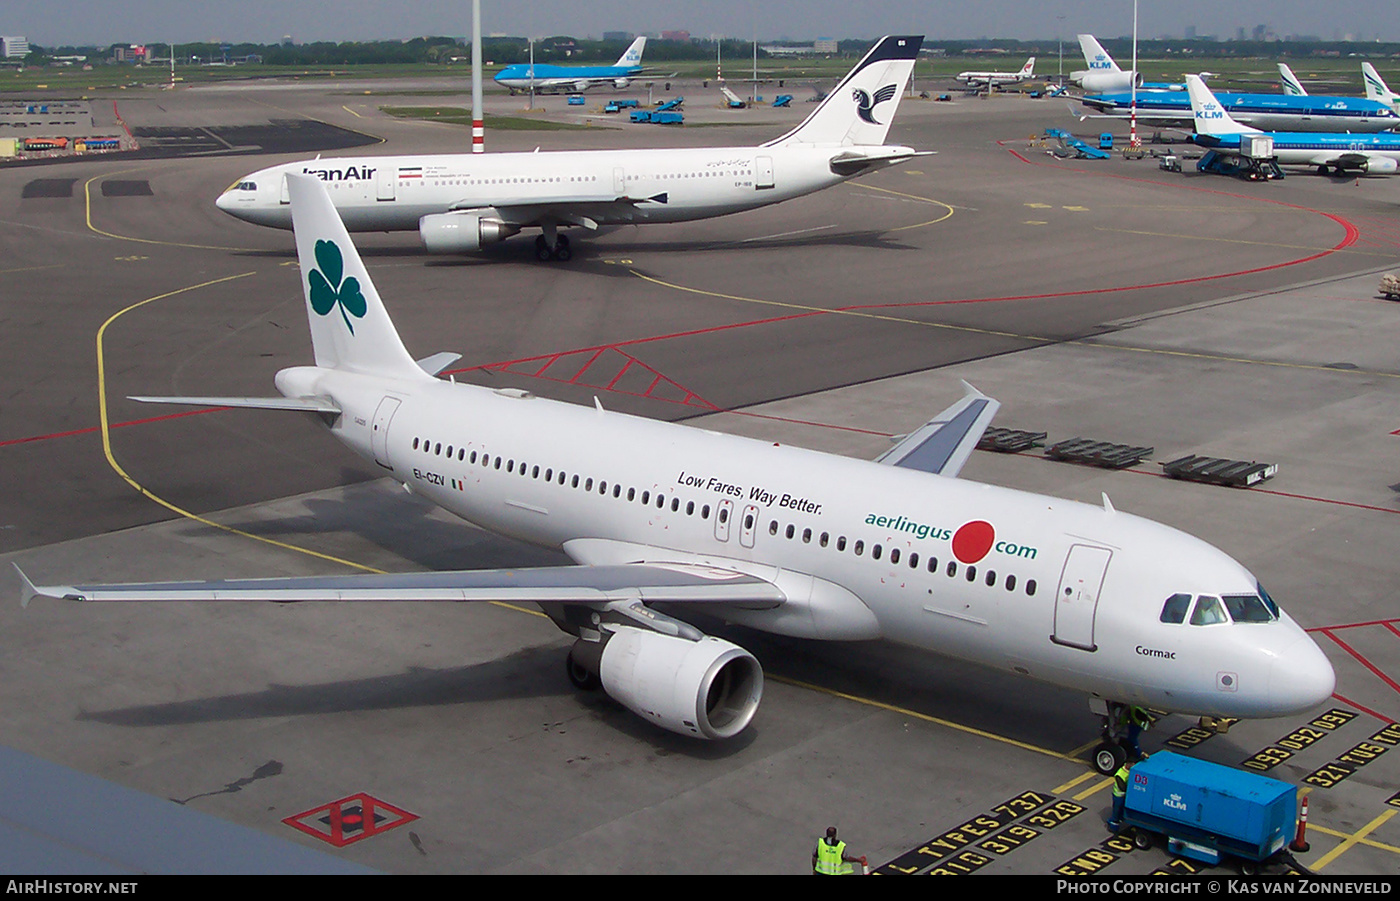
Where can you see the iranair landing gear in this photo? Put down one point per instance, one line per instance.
(553, 246)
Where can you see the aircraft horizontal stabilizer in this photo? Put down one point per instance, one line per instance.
(943, 445)
(296, 404)
(650, 583)
(865, 159)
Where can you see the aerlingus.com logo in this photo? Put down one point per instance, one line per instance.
(327, 289)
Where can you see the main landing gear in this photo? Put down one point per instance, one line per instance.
(559, 251)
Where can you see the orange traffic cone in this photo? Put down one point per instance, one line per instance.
(1300, 842)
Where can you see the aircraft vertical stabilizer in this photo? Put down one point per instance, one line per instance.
(1292, 87)
(859, 110)
(633, 55)
(350, 328)
(1376, 88)
(1094, 54)
(1210, 117)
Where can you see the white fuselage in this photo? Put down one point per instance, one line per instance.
(608, 187)
(1060, 591)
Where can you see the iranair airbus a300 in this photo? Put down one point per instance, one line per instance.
(462, 202)
(663, 519)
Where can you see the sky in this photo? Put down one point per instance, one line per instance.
(103, 22)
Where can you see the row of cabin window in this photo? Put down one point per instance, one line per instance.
(504, 181)
(877, 551)
(563, 478)
(858, 547)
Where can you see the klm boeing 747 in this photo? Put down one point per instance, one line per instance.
(548, 79)
(664, 520)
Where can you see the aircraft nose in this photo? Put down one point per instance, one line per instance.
(225, 202)
(1301, 677)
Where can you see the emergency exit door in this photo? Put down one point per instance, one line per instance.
(1077, 601)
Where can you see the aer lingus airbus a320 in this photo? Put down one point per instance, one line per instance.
(665, 519)
(462, 202)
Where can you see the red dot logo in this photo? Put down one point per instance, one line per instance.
(973, 540)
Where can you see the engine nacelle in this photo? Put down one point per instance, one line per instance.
(1109, 82)
(1381, 165)
(705, 689)
(580, 87)
(621, 83)
(461, 232)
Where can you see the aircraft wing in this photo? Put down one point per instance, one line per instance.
(675, 583)
(524, 212)
(943, 444)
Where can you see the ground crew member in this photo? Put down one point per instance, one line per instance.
(1120, 796)
(830, 857)
(1134, 720)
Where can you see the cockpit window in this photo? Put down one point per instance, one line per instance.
(1268, 601)
(247, 186)
(1208, 611)
(1174, 610)
(1248, 608)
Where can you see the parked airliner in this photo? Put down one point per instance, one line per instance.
(791, 541)
(462, 202)
(1267, 112)
(998, 79)
(546, 79)
(1370, 154)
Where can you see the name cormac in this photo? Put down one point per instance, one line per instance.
(1154, 652)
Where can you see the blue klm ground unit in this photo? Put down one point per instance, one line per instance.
(1206, 810)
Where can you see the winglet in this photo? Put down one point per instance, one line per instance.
(944, 444)
(27, 591)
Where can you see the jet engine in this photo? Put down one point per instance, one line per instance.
(461, 232)
(1109, 82)
(706, 689)
(1381, 165)
(621, 83)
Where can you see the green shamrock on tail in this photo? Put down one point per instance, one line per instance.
(327, 289)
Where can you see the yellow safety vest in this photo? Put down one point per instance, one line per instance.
(1120, 782)
(829, 861)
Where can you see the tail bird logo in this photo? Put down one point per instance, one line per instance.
(328, 291)
(865, 106)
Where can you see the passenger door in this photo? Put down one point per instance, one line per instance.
(1077, 600)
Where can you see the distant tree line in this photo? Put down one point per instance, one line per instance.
(565, 49)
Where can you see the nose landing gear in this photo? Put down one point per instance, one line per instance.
(1122, 724)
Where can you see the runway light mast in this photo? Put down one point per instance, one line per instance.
(478, 122)
(1133, 142)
